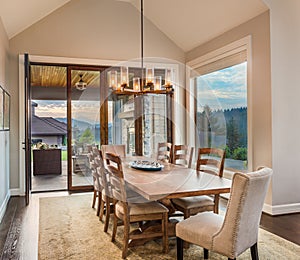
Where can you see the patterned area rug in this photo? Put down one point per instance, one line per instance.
(70, 229)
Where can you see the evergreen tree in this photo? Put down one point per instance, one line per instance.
(87, 137)
(232, 135)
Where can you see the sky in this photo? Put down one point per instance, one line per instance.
(223, 89)
(87, 111)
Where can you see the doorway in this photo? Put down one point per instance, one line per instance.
(66, 107)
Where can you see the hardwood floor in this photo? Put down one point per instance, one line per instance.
(19, 227)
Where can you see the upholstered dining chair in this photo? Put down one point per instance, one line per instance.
(183, 155)
(238, 230)
(213, 161)
(128, 211)
(119, 149)
(164, 152)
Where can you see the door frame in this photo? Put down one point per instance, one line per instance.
(80, 61)
(103, 108)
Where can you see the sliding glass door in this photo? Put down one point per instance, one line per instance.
(86, 122)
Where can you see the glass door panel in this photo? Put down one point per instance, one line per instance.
(84, 122)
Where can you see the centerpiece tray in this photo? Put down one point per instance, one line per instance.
(146, 165)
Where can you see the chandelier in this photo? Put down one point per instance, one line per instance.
(148, 82)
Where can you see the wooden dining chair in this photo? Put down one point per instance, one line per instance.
(210, 160)
(183, 155)
(96, 184)
(129, 212)
(164, 152)
(238, 230)
(106, 196)
(119, 149)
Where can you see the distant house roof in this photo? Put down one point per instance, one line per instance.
(47, 126)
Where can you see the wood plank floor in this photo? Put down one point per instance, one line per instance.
(19, 227)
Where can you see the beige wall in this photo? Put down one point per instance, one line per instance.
(4, 136)
(259, 104)
(285, 63)
(86, 29)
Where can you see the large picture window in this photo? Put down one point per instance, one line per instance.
(220, 85)
(229, 87)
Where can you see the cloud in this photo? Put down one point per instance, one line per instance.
(226, 88)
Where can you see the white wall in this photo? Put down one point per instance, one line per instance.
(285, 69)
(91, 29)
(4, 136)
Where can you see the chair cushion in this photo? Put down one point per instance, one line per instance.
(142, 208)
(194, 202)
(200, 229)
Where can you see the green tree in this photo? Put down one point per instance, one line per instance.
(240, 153)
(87, 137)
(232, 135)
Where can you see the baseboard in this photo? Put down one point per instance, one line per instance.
(16, 192)
(281, 209)
(4, 206)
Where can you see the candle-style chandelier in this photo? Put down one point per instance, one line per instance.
(147, 83)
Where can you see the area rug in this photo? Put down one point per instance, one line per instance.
(70, 229)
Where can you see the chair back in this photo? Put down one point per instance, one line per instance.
(241, 223)
(118, 149)
(213, 159)
(164, 152)
(183, 155)
(116, 177)
(95, 151)
(103, 175)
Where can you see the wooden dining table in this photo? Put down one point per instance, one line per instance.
(172, 181)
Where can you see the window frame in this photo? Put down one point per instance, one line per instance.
(244, 44)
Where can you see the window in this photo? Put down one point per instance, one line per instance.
(220, 103)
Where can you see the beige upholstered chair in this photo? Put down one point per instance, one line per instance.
(238, 230)
(183, 155)
(129, 212)
(210, 160)
(118, 149)
(164, 152)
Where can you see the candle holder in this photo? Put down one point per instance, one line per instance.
(136, 84)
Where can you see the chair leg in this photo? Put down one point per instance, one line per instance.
(254, 252)
(101, 209)
(165, 240)
(115, 225)
(126, 237)
(94, 199)
(107, 214)
(205, 252)
(216, 202)
(179, 248)
(99, 203)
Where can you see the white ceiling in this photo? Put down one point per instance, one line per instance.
(188, 23)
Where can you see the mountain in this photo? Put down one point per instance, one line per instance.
(82, 125)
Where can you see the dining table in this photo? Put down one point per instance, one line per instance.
(168, 182)
(172, 181)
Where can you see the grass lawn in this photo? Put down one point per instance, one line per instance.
(64, 155)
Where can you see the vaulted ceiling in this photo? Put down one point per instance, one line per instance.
(188, 23)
